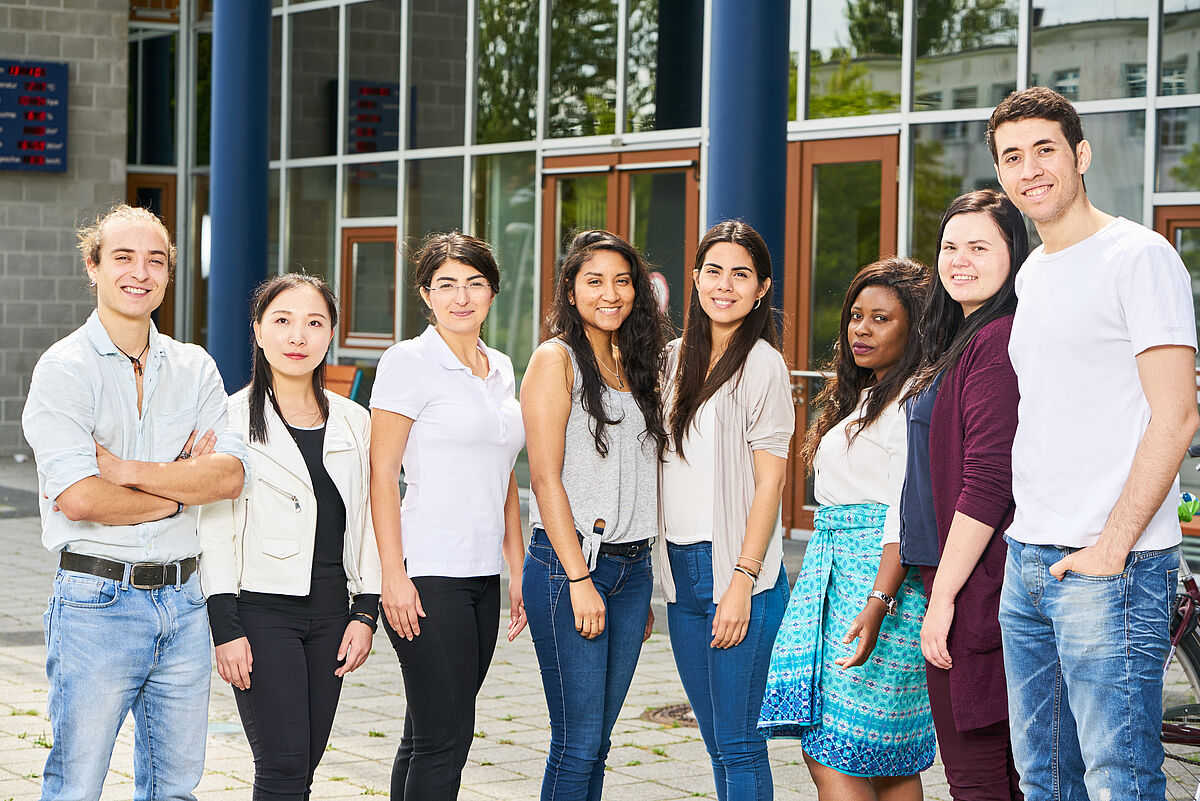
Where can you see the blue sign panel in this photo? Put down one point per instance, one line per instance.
(33, 115)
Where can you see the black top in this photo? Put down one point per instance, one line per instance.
(327, 593)
(918, 525)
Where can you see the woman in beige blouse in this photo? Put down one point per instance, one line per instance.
(731, 420)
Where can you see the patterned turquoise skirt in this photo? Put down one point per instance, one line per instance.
(872, 720)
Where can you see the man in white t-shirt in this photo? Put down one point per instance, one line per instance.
(1103, 344)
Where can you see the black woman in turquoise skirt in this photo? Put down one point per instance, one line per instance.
(867, 732)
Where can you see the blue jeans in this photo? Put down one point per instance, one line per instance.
(725, 685)
(1084, 661)
(111, 648)
(577, 672)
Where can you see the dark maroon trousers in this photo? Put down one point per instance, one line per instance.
(979, 762)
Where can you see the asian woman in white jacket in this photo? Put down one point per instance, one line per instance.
(290, 569)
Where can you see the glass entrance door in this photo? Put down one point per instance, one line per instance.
(1181, 226)
(842, 216)
(651, 198)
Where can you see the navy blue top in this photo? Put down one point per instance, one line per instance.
(918, 524)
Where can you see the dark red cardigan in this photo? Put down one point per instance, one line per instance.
(970, 461)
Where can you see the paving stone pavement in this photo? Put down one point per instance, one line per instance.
(648, 762)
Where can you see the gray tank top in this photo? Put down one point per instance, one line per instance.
(622, 487)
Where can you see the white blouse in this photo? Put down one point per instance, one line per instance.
(687, 483)
(869, 469)
(465, 437)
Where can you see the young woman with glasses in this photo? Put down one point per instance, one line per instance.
(443, 408)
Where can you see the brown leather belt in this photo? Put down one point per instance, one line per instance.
(142, 575)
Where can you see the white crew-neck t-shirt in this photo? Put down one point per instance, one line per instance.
(1083, 316)
(464, 441)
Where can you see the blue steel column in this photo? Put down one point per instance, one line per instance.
(238, 189)
(747, 120)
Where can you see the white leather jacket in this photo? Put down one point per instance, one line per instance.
(264, 540)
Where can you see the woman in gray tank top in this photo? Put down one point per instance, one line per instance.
(594, 431)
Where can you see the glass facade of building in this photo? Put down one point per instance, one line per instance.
(522, 120)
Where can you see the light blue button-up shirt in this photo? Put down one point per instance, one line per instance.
(83, 391)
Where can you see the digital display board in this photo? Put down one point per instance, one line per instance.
(33, 115)
(373, 117)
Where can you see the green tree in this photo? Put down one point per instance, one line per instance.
(506, 85)
(1187, 172)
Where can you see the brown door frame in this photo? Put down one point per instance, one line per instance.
(165, 183)
(619, 168)
(798, 250)
(1167, 221)
(350, 235)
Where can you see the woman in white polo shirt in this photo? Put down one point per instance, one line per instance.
(443, 407)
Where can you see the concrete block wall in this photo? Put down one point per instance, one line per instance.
(43, 292)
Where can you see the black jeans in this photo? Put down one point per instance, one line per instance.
(288, 710)
(444, 667)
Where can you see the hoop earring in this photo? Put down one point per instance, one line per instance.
(758, 303)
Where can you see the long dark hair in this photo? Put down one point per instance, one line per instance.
(909, 280)
(944, 332)
(694, 384)
(641, 338)
(262, 386)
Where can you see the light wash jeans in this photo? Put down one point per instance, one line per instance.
(585, 681)
(1084, 661)
(725, 685)
(111, 649)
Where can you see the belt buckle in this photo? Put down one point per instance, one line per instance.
(151, 585)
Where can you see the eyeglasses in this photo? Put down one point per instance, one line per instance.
(476, 290)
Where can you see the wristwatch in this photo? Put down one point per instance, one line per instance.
(889, 603)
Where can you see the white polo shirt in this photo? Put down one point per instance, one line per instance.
(465, 438)
(1083, 316)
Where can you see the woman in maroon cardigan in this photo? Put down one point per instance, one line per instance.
(957, 498)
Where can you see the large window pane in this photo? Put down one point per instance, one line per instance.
(583, 67)
(1180, 48)
(312, 113)
(202, 133)
(310, 220)
(503, 212)
(581, 204)
(658, 228)
(796, 21)
(854, 58)
(666, 42)
(506, 79)
(437, 73)
(846, 208)
(503, 215)
(1116, 179)
(373, 79)
(1089, 51)
(966, 53)
(1179, 150)
(372, 271)
(152, 58)
(370, 190)
(948, 159)
(433, 203)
